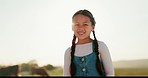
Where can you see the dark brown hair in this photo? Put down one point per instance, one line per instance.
(95, 42)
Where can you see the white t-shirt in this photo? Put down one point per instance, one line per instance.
(86, 49)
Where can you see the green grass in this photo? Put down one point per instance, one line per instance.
(118, 72)
(131, 71)
(58, 71)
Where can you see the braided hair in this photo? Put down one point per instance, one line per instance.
(98, 65)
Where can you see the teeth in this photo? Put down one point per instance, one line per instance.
(81, 33)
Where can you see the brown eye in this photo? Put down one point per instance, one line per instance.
(85, 24)
(76, 24)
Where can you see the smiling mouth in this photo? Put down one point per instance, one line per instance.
(81, 33)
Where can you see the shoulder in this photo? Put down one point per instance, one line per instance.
(101, 43)
(102, 47)
(67, 52)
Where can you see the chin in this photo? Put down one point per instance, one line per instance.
(82, 38)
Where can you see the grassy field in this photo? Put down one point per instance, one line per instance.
(118, 72)
(131, 71)
(56, 72)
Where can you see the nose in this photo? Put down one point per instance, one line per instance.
(80, 27)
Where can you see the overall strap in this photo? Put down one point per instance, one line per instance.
(99, 63)
(94, 46)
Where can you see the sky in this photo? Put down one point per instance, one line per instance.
(42, 29)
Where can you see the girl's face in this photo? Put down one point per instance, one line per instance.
(82, 26)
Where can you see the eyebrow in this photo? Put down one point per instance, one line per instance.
(83, 22)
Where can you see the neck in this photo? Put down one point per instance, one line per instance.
(83, 41)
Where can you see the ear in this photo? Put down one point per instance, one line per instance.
(93, 27)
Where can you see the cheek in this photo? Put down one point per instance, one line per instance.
(89, 29)
(74, 28)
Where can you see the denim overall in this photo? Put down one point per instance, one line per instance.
(86, 65)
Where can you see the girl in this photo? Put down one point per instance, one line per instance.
(86, 57)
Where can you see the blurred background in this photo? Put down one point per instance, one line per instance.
(38, 32)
